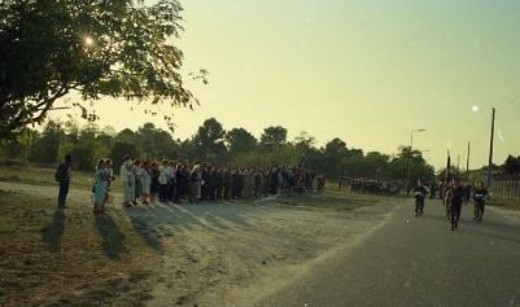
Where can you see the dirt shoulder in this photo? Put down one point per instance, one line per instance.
(230, 254)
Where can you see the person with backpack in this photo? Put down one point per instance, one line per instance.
(62, 176)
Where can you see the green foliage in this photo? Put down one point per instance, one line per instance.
(84, 156)
(157, 142)
(240, 140)
(209, 142)
(273, 136)
(90, 143)
(119, 48)
(46, 148)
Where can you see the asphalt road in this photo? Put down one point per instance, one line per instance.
(419, 262)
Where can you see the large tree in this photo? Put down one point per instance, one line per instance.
(273, 136)
(118, 48)
(155, 142)
(209, 141)
(240, 140)
(334, 153)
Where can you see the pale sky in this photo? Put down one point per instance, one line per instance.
(368, 72)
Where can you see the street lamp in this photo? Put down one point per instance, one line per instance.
(408, 159)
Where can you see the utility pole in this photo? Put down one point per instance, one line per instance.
(467, 160)
(488, 184)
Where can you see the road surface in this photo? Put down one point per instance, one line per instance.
(419, 262)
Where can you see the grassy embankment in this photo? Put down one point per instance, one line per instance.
(59, 257)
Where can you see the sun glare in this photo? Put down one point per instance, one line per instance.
(89, 41)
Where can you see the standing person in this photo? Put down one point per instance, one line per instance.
(433, 190)
(100, 187)
(146, 182)
(419, 192)
(128, 180)
(196, 180)
(138, 171)
(480, 199)
(211, 183)
(172, 181)
(457, 198)
(180, 183)
(258, 182)
(227, 184)
(154, 184)
(164, 176)
(110, 175)
(219, 185)
(62, 176)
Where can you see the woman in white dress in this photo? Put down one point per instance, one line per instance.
(128, 179)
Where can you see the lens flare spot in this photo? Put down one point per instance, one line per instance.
(89, 41)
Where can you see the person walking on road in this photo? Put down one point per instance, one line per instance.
(419, 192)
(62, 176)
(480, 199)
(457, 198)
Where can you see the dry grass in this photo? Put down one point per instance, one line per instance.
(62, 257)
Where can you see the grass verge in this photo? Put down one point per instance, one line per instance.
(51, 257)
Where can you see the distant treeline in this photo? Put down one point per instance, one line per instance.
(211, 144)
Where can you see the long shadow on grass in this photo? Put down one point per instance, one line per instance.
(142, 223)
(53, 232)
(112, 237)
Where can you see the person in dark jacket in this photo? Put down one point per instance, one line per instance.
(457, 198)
(62, 176)
(479, 197)
(419, 192)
